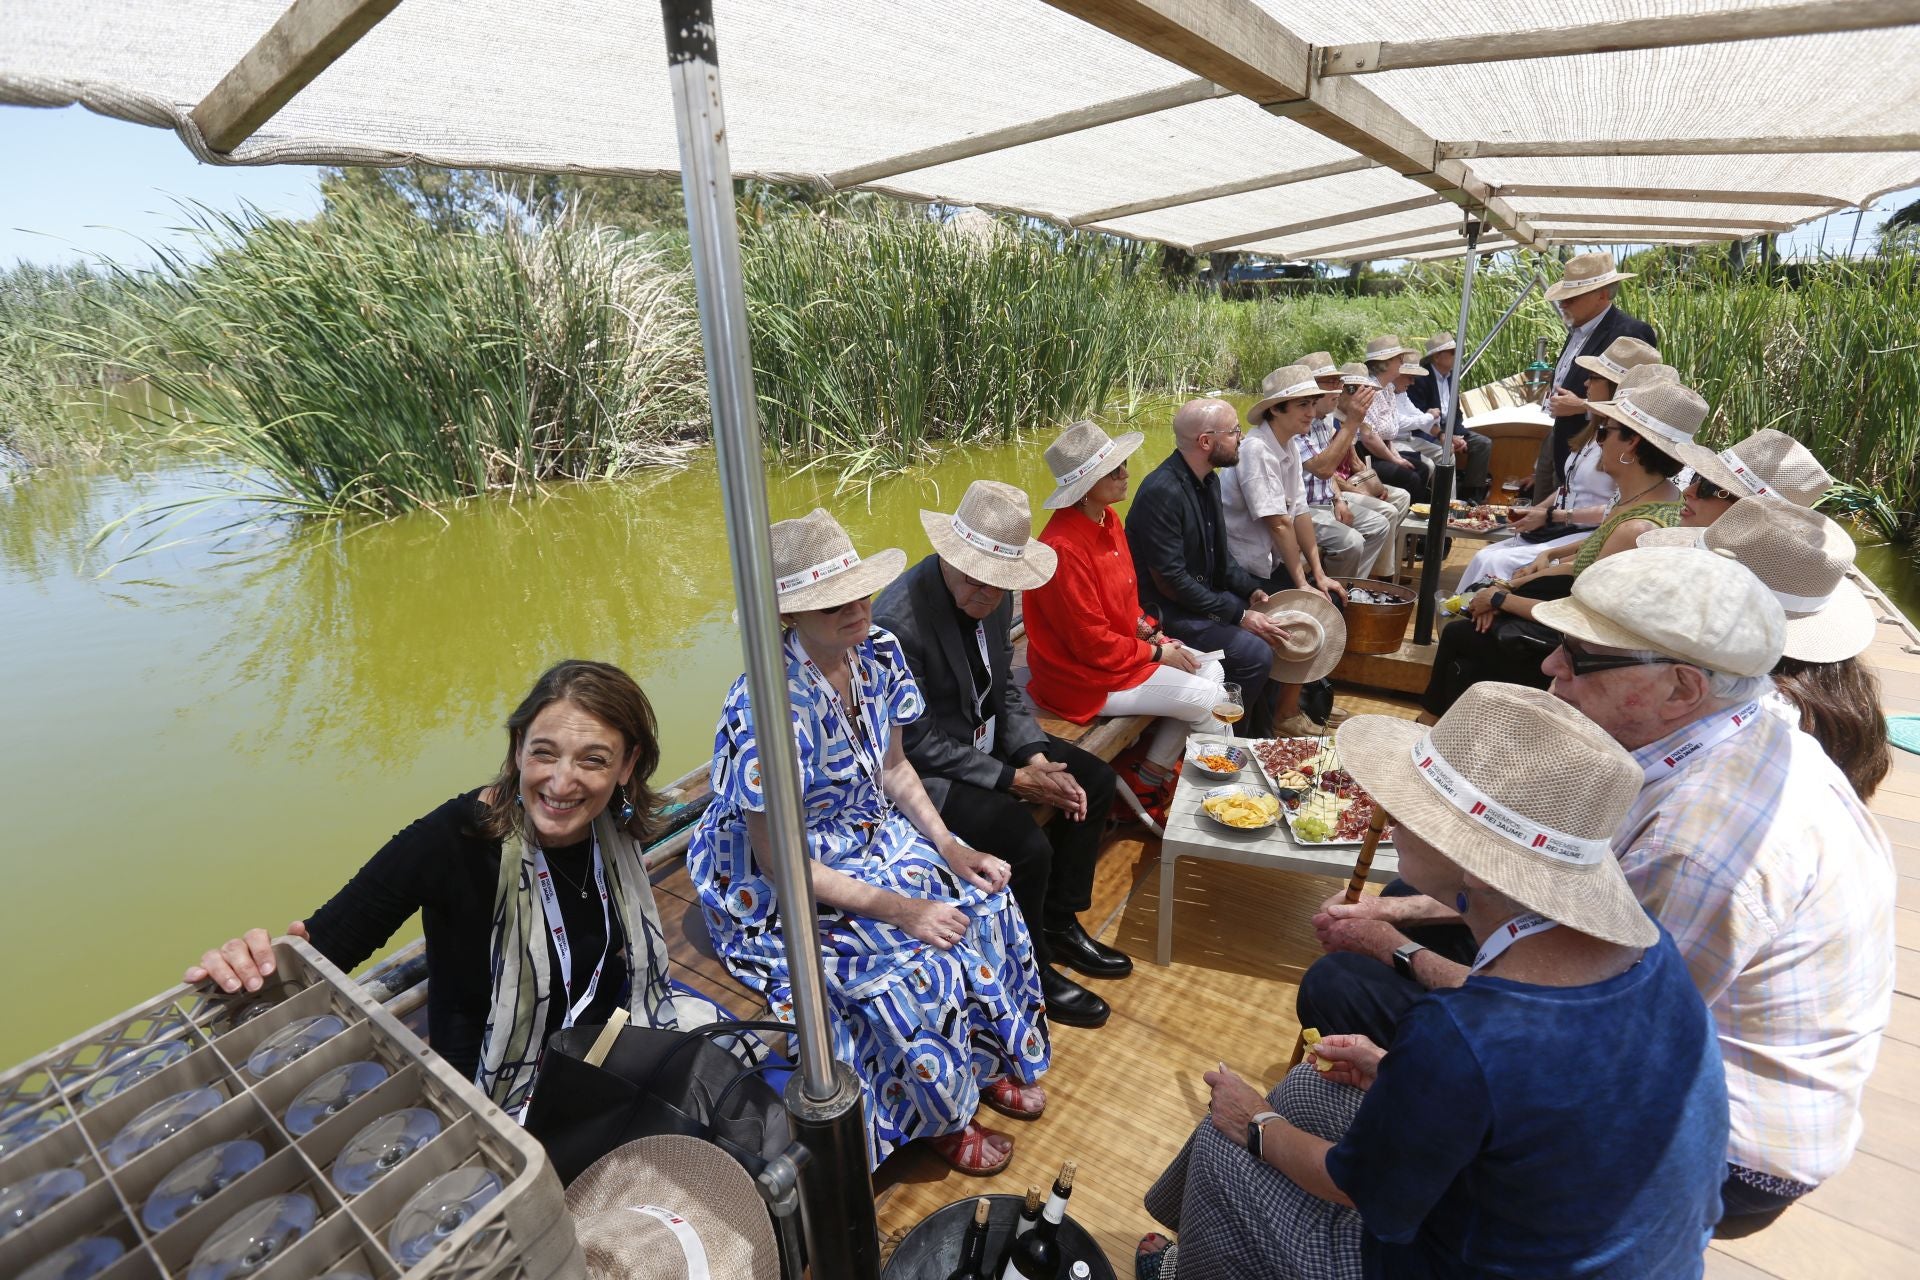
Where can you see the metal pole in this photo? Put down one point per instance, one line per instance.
(836, 1192)
(1460, 377)
(1443, 467)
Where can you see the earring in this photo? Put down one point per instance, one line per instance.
(622, 806)
(518, 803)
(1460, 902)
(1626, 459)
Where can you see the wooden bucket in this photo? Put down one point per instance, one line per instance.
(1378, 628)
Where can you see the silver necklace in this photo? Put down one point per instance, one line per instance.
(1619, 501)
(568, 880)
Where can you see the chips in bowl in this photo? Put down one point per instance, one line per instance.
(1217, 758)
(1241, 807)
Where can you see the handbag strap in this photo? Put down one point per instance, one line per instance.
(713, 1030)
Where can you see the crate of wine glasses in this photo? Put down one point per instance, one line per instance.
(296, 1133)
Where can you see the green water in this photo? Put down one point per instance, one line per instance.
(213, 737)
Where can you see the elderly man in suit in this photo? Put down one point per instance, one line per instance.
(1584, 295)
(982, 757)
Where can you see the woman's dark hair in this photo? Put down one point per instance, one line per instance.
(604, 692)
(1839, 705)
(1650, 456)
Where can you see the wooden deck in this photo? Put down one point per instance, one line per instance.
(1124, 1097)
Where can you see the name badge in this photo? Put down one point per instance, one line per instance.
(983, 736)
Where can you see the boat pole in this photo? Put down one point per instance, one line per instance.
(823, 1098)
(1443, 466)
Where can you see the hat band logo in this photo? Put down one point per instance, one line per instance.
(817, 573)
(1515, 828)
(1618, 371)
(1631, 410)
(992, 546)
(1084, 469)
(1744, 474)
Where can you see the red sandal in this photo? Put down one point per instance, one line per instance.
(970, 1150)
(1011, 1098)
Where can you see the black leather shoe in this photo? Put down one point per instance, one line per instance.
(1078, 949)
(1069, 1003)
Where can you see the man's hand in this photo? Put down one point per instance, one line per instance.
(1459, 444)
(1261, 625)
(1341, 511)
(1353, 1060)
(1044, 781)
(1330, 588)
(1343, 928)
(1259, 598)
(1563, 403)
(1234, 1103)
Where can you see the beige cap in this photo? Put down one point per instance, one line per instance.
(1585, 272)
(1803, 558)
(989, 537)
(1290, 382)
(1767, 463)
(816, 567)
(1080, 457)
(1699, 606)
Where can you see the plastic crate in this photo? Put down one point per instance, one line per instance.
(524, 1233)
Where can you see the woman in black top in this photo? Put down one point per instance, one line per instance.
(571, 903)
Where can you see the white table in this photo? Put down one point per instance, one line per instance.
(1191, 834)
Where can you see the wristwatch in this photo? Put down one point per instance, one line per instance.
(1497, 599)
(1403, 957)
(1254, 1129)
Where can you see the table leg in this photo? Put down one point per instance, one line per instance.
(1163, 952)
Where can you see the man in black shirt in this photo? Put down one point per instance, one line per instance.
(1176, 530)
(983, 758)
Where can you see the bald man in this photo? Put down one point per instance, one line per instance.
(1177, 531)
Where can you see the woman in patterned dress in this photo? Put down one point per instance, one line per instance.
(930, 974)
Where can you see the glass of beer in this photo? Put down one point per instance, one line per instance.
(1228, 708)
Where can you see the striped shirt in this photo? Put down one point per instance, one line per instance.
(1778, 888)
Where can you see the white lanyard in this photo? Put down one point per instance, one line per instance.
(986, 665)
(683, 1232)
(557, 929)
(1712, 734)
(866, 752)
(1509, 933)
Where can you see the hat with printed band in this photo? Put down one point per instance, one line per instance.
(1386, 347)
(1584, 273)
(816, 567)
(671, 1207)
(1664, 414)
(1768, 464)
(1621, 355)
(1080, 457)
(1290, 382)
(1320, 364)
(1439, 343)
(989, 537)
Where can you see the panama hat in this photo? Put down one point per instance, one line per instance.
(1413, 366)
(1290, 382)
(1768, 464)
(1386, 347)
(990, 538)
(1803, 558)
(1080, 457)
(1701, 607)
(1584, 273)
(1356, 375)
(1316, 635)
(1438, 343)
(1519, 790)
(671, 1208)
(1665, 414)
(816, 567)
(1320, 364)
(1621, 355)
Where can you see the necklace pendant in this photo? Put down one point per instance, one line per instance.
(583, 893)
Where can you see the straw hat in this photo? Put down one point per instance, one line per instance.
(1519, 790)
(1320, 364)
(816, 567)
(1385, 347)
(1289, 382)
(1317, 635)
(1081, 457)
(1665, 414)
(1621, 355)
(990, 538)
(1767, 463)
(1699, 606)
(1413, 366)
(635, 1208)
(1438, 343)
(1585, 272)
(1356, 375)
(1803, 558)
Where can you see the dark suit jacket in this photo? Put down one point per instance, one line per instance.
(918, 609)
(1552, 461)
(1177, 531)
(1425, 391)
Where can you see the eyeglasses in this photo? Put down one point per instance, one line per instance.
(1707, 491)
(840, 608)
(1586, 662)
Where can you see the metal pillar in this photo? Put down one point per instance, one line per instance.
(825, 1100)
(1443, 466)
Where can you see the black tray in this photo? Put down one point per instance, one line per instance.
(931, 1250)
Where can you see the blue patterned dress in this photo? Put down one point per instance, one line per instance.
(922, 1028)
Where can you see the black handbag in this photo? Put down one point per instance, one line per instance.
(653, 1082)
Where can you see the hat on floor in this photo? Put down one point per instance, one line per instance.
(1320, 364)
(816, 567)
(1438, 343)
(1317, 635)
(1386, 347)
(1584, 273)
(989, 537)
(1803, 558)
(1518, 789)
(1081, 457)
(1665, 414)
(671, 1208)
(1290, 382)
(1768, 464)
(1621, 355)
(1701, 607)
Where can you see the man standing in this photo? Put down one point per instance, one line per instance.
(1176, 530)
(1584, 296)
(980, 754)
(1434, 392)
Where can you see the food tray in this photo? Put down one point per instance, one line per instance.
(1272, 781)
(524, 1233)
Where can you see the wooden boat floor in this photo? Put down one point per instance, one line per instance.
(1123, 1098)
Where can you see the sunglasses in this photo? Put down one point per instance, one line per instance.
(1707, 491)
(841, 608)
(1586, 662)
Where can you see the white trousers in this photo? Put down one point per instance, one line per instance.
(1504, 559)
(1185, 700)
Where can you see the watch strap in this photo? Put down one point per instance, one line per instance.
(1403, 958)
(1255, 1128)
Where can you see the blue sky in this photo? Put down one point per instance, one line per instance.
(79, 185)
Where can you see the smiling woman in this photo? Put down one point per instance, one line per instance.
(536, 877)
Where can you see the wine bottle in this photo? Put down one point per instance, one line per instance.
(1036, 1255)
(1081, 1271)
(973, 1250)
(1029, 1214)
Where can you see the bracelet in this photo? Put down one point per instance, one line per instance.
(1156, 653)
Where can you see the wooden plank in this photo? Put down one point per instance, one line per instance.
(1639, 32)
(1520, 190)
(1875, 1195)
(1904, 1024)
(1645, 237)
(1892, 1127)
(1488, 243)
(1776, 145)
(1906, 971)
(1906, 928)
(1804, 1242)
(302, 42)
(1724, 1266)
(1897, 1070)
(1663, 220)
(1392, 237)
(1265, 182)
(1235, 43)
(1315, 224)
(1080, 118)
(1355, 116)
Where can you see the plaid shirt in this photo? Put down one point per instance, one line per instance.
(1320, 490)
(1778, 888)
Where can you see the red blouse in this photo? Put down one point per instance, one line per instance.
(1081, 638)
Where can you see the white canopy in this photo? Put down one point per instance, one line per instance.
(1299, 128)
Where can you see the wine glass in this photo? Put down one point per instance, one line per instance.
(1228, 707)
